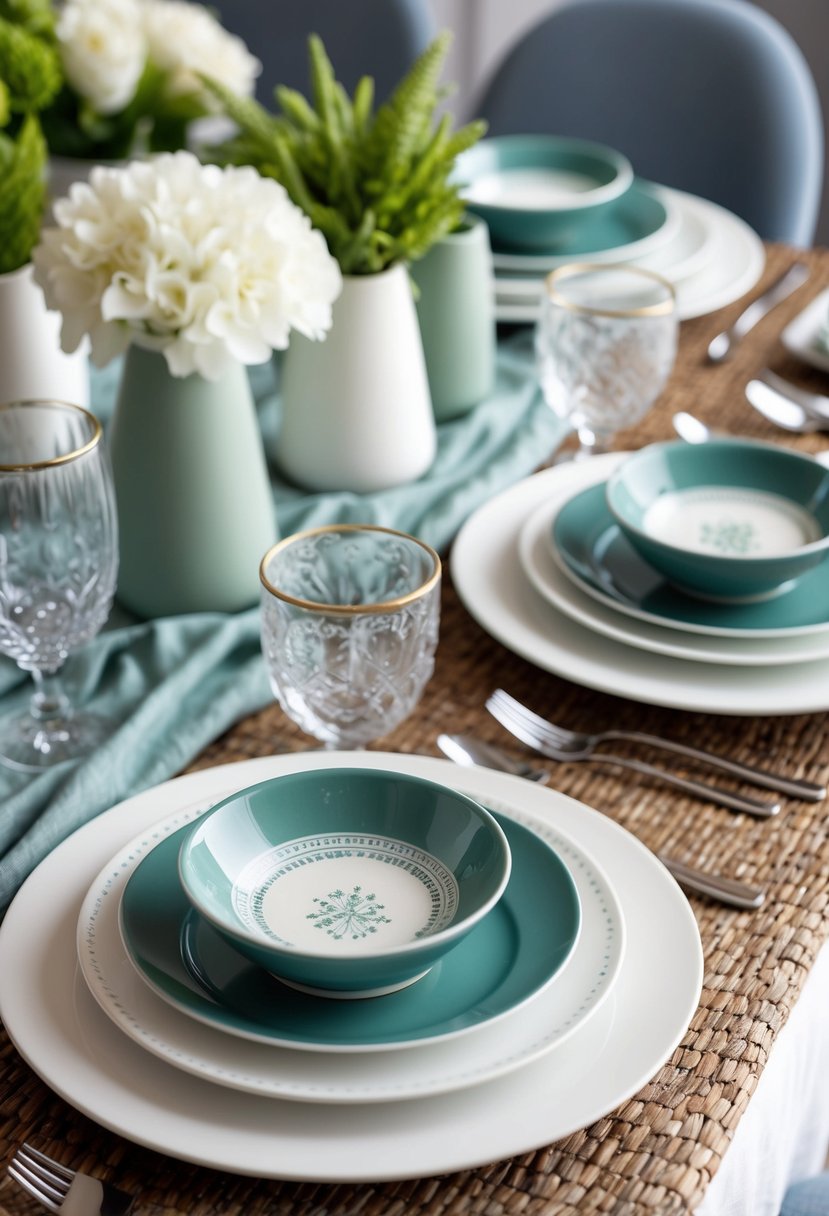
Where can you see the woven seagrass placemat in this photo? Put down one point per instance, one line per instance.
(656, 1152)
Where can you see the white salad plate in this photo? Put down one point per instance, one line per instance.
(524, 1034)
(551, 578)
(801, 337)
(486, 569)
(60, 1030)
(731, 263)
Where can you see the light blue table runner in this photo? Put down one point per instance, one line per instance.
(175, 684)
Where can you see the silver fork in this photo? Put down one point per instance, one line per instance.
(465, 749)
(63, 1190)
(562, 745)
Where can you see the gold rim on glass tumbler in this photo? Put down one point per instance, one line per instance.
(65, 457)
(660, 308)
(348, 609)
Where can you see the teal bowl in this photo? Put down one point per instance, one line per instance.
(345, 882)
(537, 191)
(730, 520)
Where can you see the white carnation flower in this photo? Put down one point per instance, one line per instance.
(208, 264)
(185, 39)
(103, 50)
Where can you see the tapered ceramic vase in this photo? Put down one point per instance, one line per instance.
(32, 363)
(356, 409)
(456, 310)
(195, 505)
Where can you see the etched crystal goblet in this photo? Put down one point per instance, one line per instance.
(605, 345)
(58, 568)
(350, 619)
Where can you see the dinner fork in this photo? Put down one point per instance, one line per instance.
(465, 749)
(63, 1190)
(548, 738)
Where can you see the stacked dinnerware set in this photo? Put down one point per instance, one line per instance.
(343, 966)
(691, 576)
(550, 200)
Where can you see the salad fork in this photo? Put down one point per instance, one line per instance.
(63, 1190)
(562, 744)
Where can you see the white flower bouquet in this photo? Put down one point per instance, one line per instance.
(205, 264)
(132, 75)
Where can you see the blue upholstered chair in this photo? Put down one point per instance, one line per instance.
(379, 38)
(710, 96)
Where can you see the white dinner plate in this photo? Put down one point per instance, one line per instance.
(551, 580)
(486, 569)
(526, 1033)
(800, 337)
(60, 1030)
(734, 261)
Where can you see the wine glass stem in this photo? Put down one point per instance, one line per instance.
(49, 701)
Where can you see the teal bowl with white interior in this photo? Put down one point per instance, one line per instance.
(345, 882)
(537, 191)
(731, 520)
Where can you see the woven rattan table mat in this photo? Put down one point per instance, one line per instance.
(658, 1151)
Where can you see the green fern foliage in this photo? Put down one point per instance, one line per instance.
(29, 67)
(30, 78)
(377, 184)
(22, 166)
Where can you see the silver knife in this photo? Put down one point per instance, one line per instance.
(722, 346)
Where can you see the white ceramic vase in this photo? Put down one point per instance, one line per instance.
(32, 363)
(356, 409)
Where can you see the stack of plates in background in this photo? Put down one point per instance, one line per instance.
(709, 255)
(544, 569)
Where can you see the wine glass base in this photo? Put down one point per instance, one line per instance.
(33, 744)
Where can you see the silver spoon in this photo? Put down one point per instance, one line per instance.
(816, 405)
(782, 410)
(722, 346)
(466, 750)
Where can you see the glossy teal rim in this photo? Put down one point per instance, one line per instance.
(788, 461)
(601, 559)
(633, 217)
(513, 953)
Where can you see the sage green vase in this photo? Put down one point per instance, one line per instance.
(195, 506)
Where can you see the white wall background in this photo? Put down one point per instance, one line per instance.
(485, 29)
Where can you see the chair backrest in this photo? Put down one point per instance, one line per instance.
(379, 38)
(709, 96)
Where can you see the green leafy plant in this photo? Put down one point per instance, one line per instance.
(377, 184)
(29, 79)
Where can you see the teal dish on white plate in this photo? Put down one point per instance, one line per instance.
(593, 551)
(505, 960)
(345, 882)
(730, 520)
(640, 220)
(535, 191)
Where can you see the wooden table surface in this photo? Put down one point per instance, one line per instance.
(657, 1151)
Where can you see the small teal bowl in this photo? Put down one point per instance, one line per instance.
(345, 882)
(536, 191)
(731, 520)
